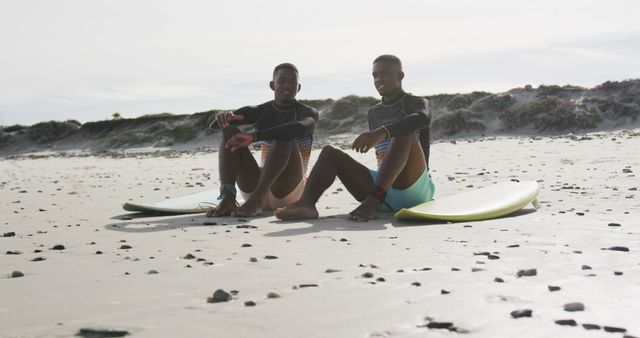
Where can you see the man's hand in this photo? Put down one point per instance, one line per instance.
(367, 140)
(239, 140)
(223, 118)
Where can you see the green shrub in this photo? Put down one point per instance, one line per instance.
(459, 102)
(457, 121)
(51, 131)
(493, 103)
(351, 106)
(182, 134)
(13, 128)
(550, 114)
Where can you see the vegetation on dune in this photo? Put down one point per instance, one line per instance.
(46, 132)
(458, 121)
(493, 103)
(346, 114)
(14, 128)
(550, 114)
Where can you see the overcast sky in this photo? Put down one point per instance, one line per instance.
(86, 59)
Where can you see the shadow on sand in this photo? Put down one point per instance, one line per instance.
(146, 222)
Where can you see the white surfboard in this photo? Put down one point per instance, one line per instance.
(189, 204)
(485, 203)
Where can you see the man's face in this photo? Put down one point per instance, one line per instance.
(387, 78)
(285, 84)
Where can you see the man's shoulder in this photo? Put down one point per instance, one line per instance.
(306, 109)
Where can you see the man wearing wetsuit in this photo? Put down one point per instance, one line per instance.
(399, 131)
(284, 128)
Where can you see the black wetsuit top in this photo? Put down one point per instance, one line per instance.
(407, 114)
(272, 123)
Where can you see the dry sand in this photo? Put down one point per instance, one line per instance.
(389, 279)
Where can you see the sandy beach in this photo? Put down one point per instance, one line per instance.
(88, 265)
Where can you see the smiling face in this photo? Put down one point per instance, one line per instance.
(285, 85)
(387, 78)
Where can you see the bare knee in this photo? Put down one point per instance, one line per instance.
(329, 151)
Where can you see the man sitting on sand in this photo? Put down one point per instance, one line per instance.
(399, 131)
(284, 127)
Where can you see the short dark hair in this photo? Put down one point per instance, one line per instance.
(285, 65)
(388, 58)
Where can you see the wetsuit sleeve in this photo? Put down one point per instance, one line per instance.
(418, 117)
(251, 115)
(291, 130)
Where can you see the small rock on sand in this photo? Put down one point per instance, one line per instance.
(100, 333)
(253, 259)
(219, 296)
(566, 322)
(614, 329)
(152, 272)
(521, 313)
(58, 247)
(498, 280)
(527, 273)
(553, 288)
(249, 303)
(619, 248)
(270, 257)
(272, 295)
(572, 307)
(9, 234)
(591, 326)
(17, 274)
(125, 247)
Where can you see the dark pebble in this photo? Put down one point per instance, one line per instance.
(219, 296)
(572, 307)
(98, 252)
(416, 284)
(246, 226)
(615, 224)
(493, 257)
(619, 248)
(614, 329)
(513, 246)
(308, 285)
(586, 267)
(367, 275)
(58, 247)
(246, 245)
(521, 313)
(249, 303)
(125, 246)
(100, 333)
(189, 256)
(527, 273)
(270, 257)
(13, 252)
(498, 280)
(618, 273)
(553, 288)
(209, 223)
(331, 270)
(591, 326)
(152, 272)
(455, 269)
(9, 234)
(272, 295)
(444, 292)
(380, 279)
(440, 325)
(253, 259)
(566, 322)
(17, 274)
(38, 259)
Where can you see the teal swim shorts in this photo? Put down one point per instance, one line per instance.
(421, 191)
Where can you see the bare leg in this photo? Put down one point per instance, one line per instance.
(234, 166)
(402, 165)
(281, 173)
(331, 163)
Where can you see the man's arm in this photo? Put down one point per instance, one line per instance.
(419, 117)
(242, 116)
(291, 130)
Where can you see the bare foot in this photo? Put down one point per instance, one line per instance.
(227, 205)
(296, 211)
(367, 210)
(250, 208)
